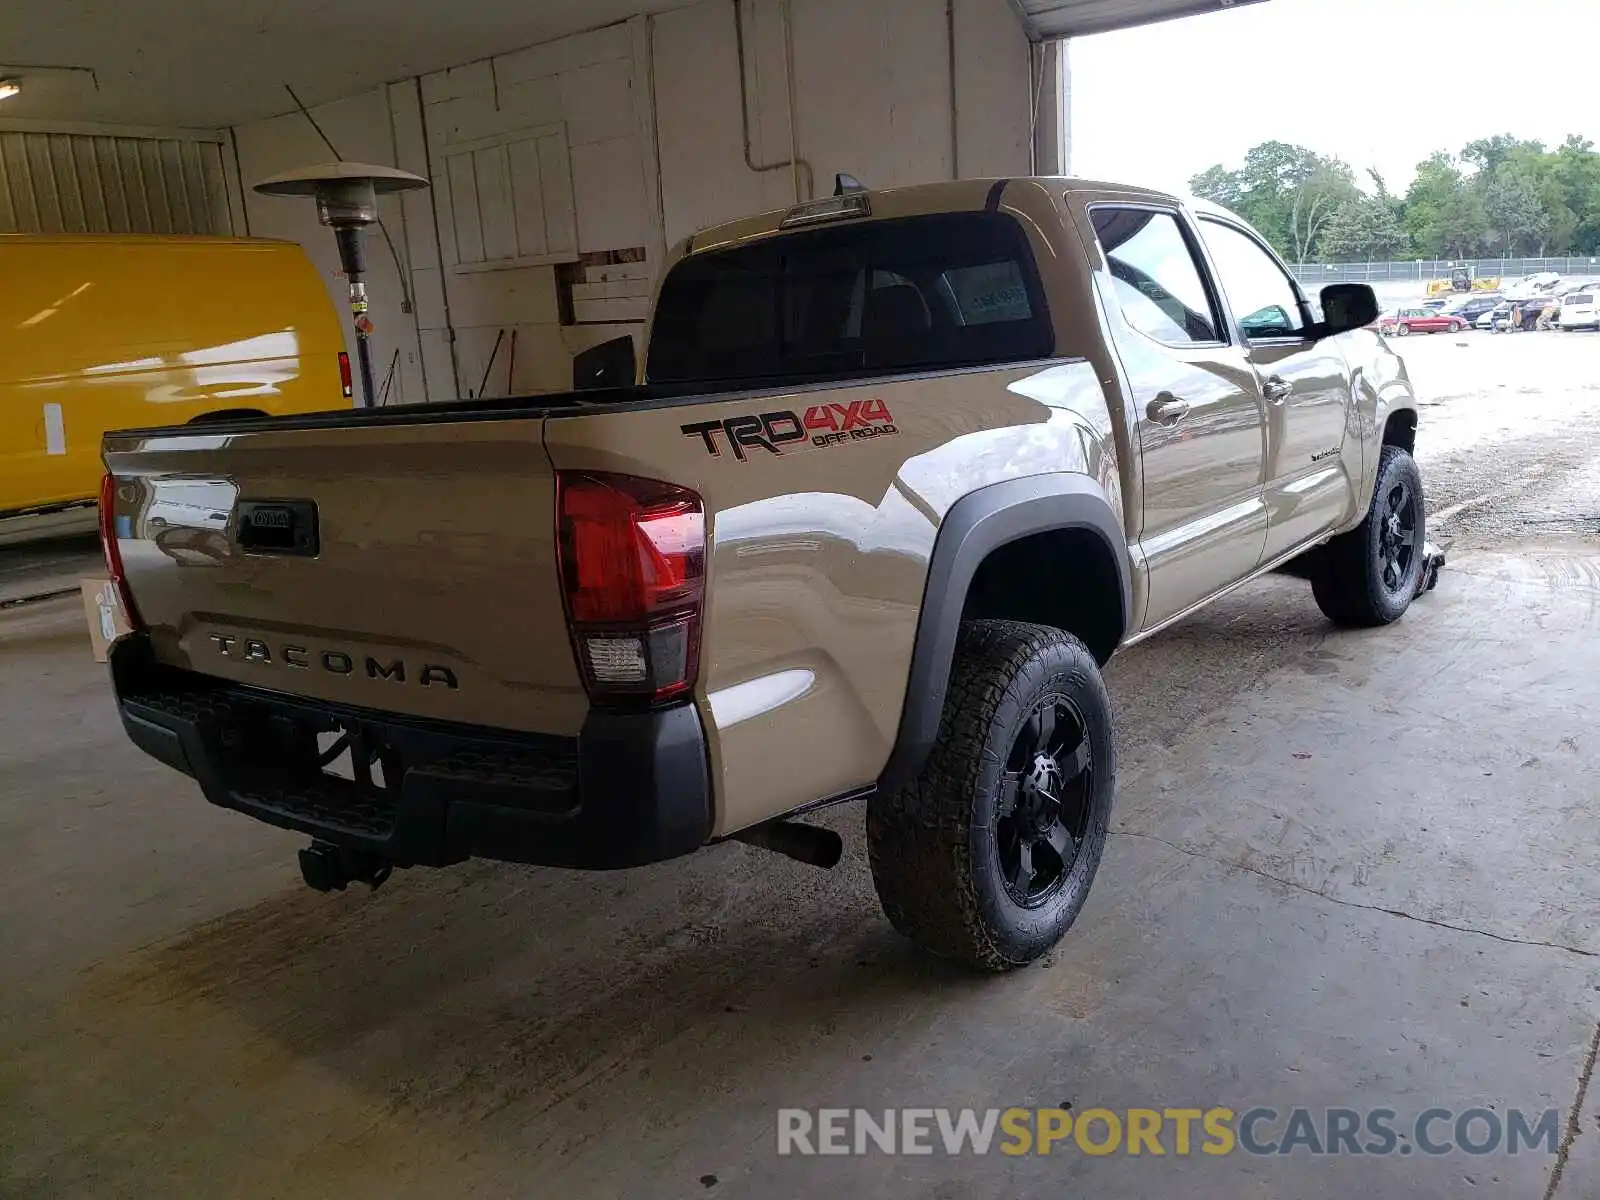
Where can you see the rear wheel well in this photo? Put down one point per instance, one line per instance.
(1062, 577)
(1401, 430)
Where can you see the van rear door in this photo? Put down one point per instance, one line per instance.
(101, 332)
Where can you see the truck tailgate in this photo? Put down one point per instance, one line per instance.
(409, 568)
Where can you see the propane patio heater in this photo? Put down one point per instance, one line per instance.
(347, 202)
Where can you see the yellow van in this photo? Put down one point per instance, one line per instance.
(104, 332)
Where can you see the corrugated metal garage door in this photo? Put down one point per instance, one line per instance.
(80, 183)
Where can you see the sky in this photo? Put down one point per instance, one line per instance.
(1378, 83)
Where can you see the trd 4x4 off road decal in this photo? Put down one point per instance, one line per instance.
(822, 425)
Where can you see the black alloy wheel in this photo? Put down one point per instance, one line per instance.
(1397, 535)
(1370, 575)
(1043, 811)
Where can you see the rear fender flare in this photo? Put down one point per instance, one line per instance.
(977, 524)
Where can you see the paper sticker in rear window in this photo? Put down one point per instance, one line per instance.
(991, 292)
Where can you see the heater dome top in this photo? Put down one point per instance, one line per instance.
(314, 180)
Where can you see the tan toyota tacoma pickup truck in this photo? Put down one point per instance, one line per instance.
(904, 469)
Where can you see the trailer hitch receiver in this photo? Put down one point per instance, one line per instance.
(329, 868)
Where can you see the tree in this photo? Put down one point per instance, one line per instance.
(1502, 195)
(1364, 228)
(1218, 185)
(1575, 170)
(1443, 215)
(1315, 202)
(1517, 217)
(1486, 154)
(1558, 222)
(1287, 192)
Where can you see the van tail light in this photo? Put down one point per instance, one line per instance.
(111, 547)
(632, 555)
(346, 383)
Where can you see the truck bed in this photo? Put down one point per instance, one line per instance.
(434, 591)
(435, 537)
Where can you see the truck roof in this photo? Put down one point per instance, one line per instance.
(920, 199)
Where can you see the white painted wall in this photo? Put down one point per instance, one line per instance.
(873, 99)
(650, 112)
(592, 86)
(993, 91)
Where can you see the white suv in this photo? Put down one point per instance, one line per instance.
(1578, 309)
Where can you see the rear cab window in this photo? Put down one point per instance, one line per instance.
(901, 295)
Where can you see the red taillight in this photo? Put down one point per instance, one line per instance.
(345, 381)
(112, 549)
(633, 570)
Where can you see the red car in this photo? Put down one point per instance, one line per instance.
(1420, 320)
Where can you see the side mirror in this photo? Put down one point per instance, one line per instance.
(608, 365)
(1347, 306)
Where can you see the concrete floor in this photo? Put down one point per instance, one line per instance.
(53, 566)
(1349, 870)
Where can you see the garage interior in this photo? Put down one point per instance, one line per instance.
(1346, 869)
(618, 127)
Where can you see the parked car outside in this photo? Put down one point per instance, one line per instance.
(1578, 310)
(1420, 320)
(1526, 311)
(1470, 308)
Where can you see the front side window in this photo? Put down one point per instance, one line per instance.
(1263, 296)
(1158, 283)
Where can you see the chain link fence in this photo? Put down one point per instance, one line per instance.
(1421, 270)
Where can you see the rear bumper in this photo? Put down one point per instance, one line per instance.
(632, 788)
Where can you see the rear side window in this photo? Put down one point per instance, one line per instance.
(1580, 298)
(911, 294)
(1156, 276)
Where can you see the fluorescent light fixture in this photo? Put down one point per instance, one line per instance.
(9, 88)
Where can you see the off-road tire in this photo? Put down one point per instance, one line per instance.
(934, 843)
(1348, 579)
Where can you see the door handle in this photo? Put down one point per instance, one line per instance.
(1276, 389)
(1167, 409)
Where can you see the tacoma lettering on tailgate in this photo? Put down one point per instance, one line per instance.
(334, 662)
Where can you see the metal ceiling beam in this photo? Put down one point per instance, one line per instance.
(1047, 20)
